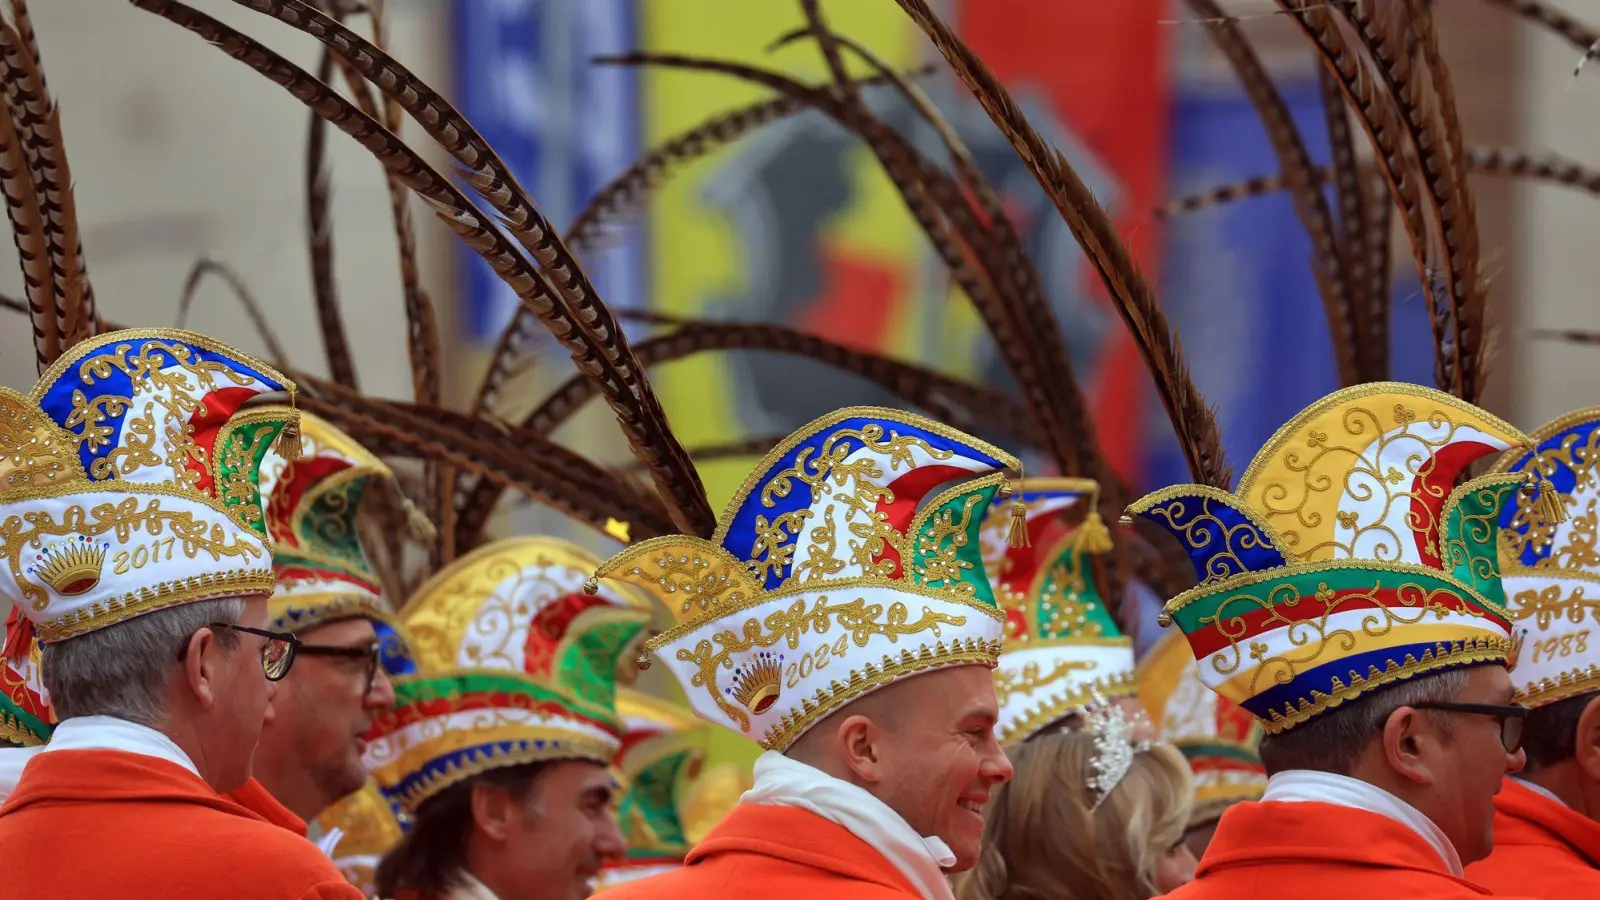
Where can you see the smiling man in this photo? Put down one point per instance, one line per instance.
(326, 595)
(846, 622)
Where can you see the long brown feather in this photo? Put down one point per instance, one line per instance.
(1576, 33)
(27, 232)
(624, 386)
(1329, 264)
(38, 125)
(206, 266)
(1193, 421)
(1382, 31)
(1360, 83)
(1353, 193)
(319, 215)
(637, 408)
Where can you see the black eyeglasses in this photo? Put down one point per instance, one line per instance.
(367, 654)
(277, 654)
(1511, 718)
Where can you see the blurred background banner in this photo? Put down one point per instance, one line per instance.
(797, 223)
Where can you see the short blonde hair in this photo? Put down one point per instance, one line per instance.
(1044, 838)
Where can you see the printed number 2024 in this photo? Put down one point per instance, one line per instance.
(814, 660)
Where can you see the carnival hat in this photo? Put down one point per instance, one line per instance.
(515, 664)
(312, 506)
(1343, 561)
(26, 719)
(836, 569)
(128, 480)
(1062, 645)
(663, 750)
(1550, 566)
(1216, 736)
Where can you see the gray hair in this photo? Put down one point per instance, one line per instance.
(1334, 740)
(123, 670)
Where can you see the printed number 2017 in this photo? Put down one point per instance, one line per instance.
(159, 550)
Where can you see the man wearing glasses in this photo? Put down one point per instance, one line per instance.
(1353, 605)
(330, 599)
(1547, 818)
(129, 510)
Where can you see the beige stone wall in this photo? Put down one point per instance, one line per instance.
(179, 151)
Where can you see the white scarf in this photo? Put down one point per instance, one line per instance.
(1299, 785)
(470, 888)
(111, 733)
(781, 781)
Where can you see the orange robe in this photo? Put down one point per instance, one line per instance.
(1319, 851)
(775, 851)
(255, 797)
(95, 824)
(1540, 848)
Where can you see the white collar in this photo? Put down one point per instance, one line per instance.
(470, 888)
(1539, 789)
(111, 733)
(781, 781)
(1299, 785)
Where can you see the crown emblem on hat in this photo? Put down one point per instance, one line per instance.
(757, 683)
(70, 567)
(1518, 635)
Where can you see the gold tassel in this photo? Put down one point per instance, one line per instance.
(1018, 536)
(1551, 509)
(288, 444)
(1093, 536)
(643, 662)
(418, 524)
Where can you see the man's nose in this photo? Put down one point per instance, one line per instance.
(996, 766)
(1515, 761)
(381, 696)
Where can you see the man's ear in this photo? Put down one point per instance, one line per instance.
(1588, 743)
(491, 810)
(858, 739)
(202, 662)
(1406, 735)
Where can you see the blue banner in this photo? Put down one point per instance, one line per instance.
(563, 125)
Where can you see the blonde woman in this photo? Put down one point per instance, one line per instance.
(1052, 833)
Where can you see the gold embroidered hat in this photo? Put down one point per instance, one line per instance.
(515, 664)
(1217, 737)
(837, 568)
(26, 719)
(1063, 647)
(1549, 565)
(663, 749)
(128, 480)
(312, 503)
(1343, 561)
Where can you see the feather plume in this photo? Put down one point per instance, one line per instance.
(606, 357)
(1580, 35)
(1424, 117)
(28, 233)
(1329, 264)
(1191, 418)
(939, 206)
(1077, 449)
(206, 266)
(971, 407)
(1353, 193)
(1359, 81)
(38, 125)
(625, 192)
